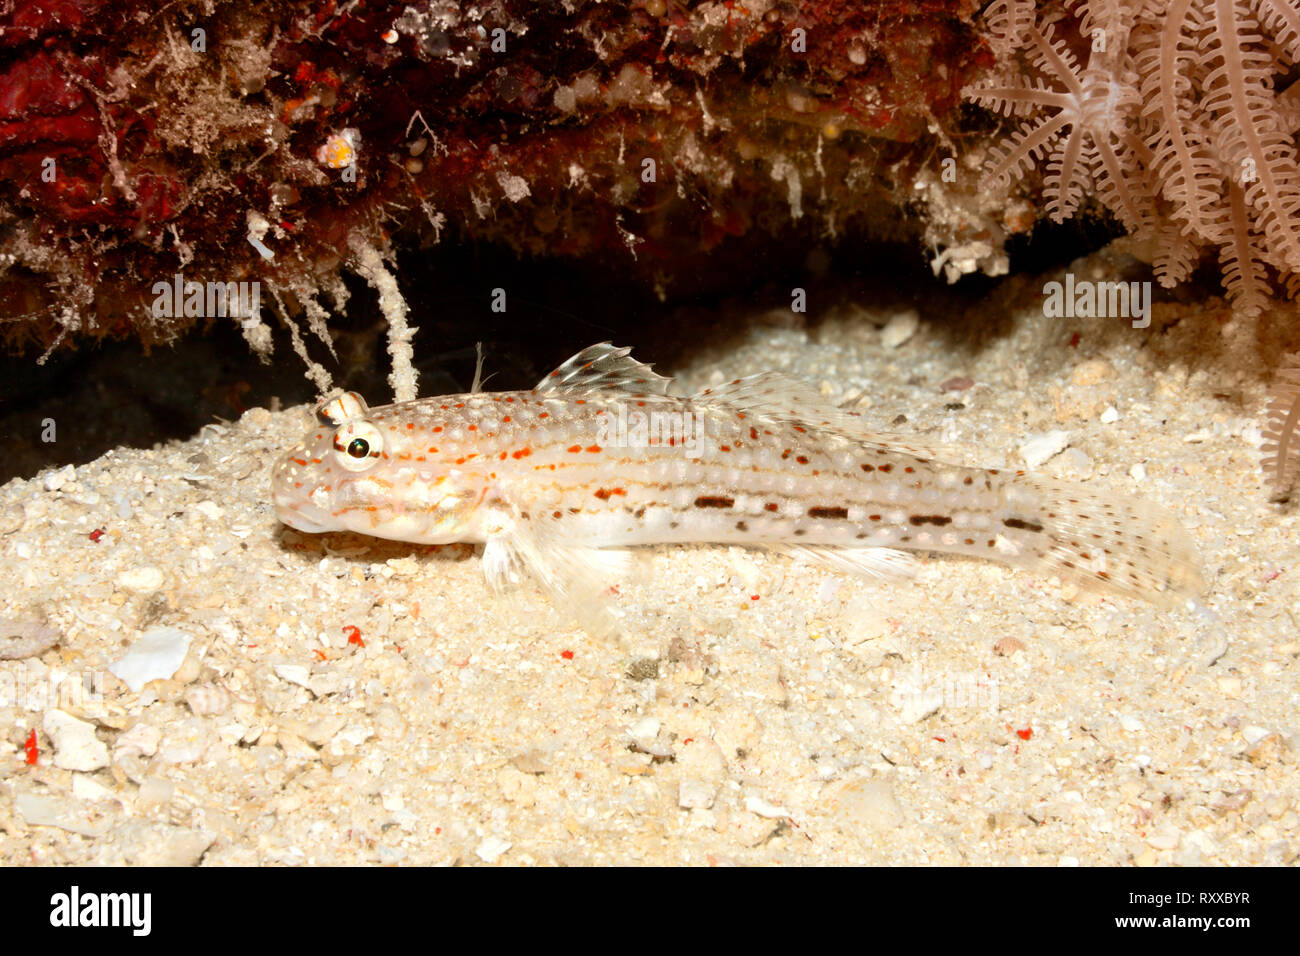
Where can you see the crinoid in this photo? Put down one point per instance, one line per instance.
(1281, 447)
(1175, 123)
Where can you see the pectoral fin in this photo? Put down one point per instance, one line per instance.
(578, 580)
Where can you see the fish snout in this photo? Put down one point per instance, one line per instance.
(292, 495)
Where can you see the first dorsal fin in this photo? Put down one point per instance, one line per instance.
(603, 368)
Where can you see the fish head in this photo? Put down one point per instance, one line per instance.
(368, 471)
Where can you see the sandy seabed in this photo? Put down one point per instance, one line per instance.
(759, 710)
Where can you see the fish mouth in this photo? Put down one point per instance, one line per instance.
(293, 506)
(300, 513)
(294, 517)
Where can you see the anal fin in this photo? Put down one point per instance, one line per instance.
(865, 562)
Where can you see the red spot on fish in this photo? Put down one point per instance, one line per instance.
(574, 449)
(33, 752)
(522, 453)
(594, 449)
(567, 655)
(96, 535)
(1026, 733)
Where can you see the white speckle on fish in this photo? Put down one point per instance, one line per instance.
(598, 457)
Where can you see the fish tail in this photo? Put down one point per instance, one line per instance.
(1098, 540)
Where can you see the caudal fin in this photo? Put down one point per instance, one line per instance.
(1129, 546)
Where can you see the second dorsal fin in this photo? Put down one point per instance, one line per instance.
(603, 368)
(777, 396)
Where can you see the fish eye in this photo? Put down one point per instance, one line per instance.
(357, 445)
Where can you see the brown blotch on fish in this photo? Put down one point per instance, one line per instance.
(828, 511)
(1022, 524)
(714, 501)
(939, 520)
